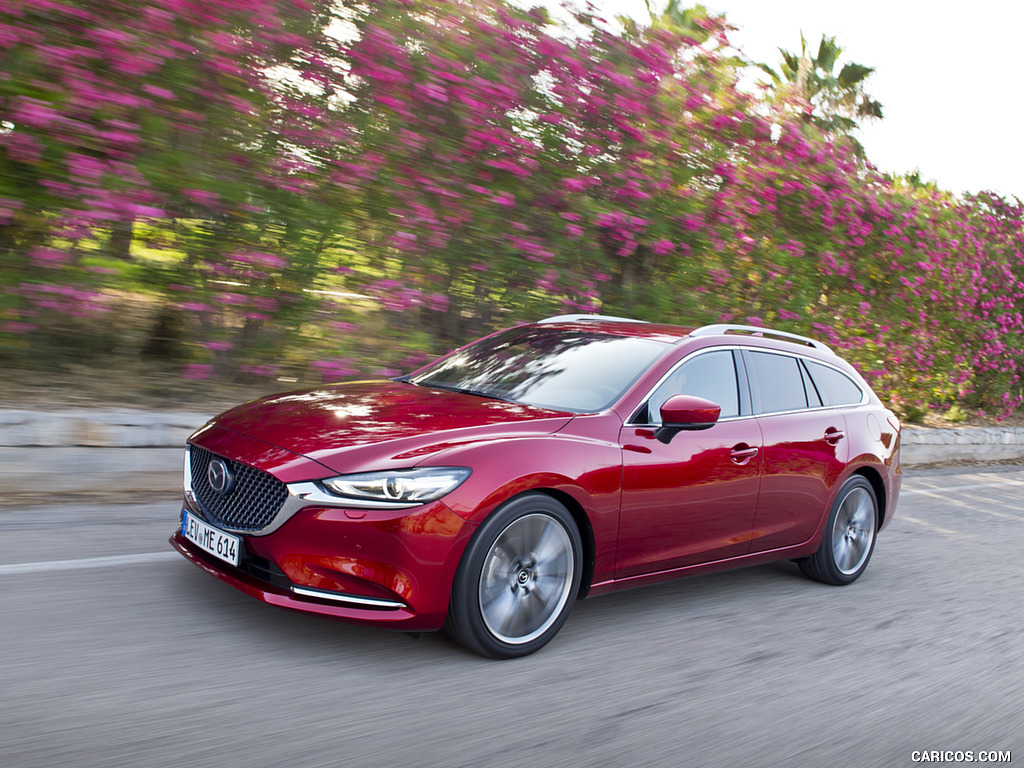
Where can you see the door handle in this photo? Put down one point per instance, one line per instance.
(742, 453)
(833, 435)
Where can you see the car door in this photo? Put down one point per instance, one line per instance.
(693, 500)
(805, 450)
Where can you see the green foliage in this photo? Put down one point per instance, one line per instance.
(955, 414)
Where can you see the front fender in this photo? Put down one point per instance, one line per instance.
(586, 470)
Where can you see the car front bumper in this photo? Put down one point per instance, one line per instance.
(383, 568)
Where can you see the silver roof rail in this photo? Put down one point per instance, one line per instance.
(753, 330)
(584, 318)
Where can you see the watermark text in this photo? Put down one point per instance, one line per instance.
(960, 756)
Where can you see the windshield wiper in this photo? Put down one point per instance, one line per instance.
(462, 390)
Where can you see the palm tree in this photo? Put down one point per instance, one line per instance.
(837, 102)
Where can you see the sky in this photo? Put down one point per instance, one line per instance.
(948, 77)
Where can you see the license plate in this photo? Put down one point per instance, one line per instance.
(209, 539)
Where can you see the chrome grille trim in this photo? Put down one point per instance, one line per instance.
(253, 503)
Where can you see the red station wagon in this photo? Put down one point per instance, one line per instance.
(488, 491)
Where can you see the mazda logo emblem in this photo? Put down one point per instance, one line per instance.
(219, 476)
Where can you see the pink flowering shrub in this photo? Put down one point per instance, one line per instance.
(290, 198)
(149, 147)
(921, 289)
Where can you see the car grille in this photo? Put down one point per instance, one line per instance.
(250, 505)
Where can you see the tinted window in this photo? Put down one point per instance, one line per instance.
(580, 371)
(711, 376)
(813, 399)
(778, 382)
(836, 388)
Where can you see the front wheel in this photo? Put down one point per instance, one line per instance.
(518, 579)
(849, 536)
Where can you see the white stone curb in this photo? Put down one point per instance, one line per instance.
(84, 427)
(922, 445)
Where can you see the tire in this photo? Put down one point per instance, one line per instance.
(849, 537)
(517, 580)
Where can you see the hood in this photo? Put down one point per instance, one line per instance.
(375, 425)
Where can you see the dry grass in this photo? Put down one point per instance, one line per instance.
(145, 388)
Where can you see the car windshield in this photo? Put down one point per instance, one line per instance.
(577, 371)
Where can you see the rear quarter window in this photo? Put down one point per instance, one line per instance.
(835, 387)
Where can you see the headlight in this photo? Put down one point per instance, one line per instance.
(408, 486)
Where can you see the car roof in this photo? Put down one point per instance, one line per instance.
(676, 334)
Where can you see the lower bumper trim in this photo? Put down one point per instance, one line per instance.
(365, 602)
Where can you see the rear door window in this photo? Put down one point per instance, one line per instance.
(777, 382)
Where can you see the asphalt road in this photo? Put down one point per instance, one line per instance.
(108, 661)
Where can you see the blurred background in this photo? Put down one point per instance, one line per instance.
(202, 201)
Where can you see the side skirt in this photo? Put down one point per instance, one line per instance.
(806, 549)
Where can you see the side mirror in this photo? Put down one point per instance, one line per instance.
(686, 412)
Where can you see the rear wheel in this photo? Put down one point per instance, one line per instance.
(849, 536)
(518, 579)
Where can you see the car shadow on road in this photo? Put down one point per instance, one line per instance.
(279, 630)
(266, 628)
